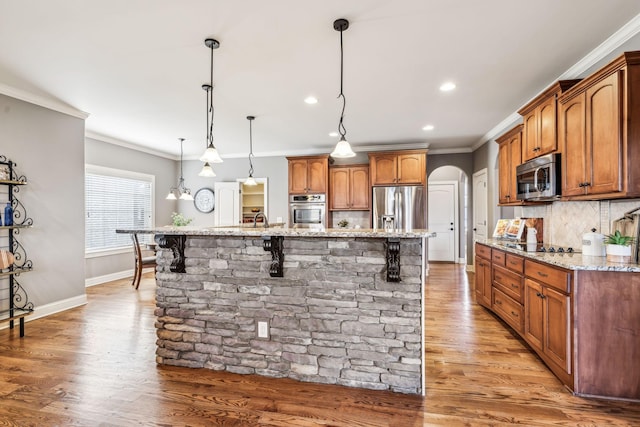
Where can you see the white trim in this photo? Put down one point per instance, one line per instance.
(53, 308)
(450, 150)
(119, 173)
(423, 356)
(129, 145)
(617, 39)
(42, 101)
(470, 268)
(461, 261)
(119, 275)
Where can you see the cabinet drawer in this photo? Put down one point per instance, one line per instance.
(551, 276)
(508, 310)
(498, 257)
(483, 251)
(509, 282)
(515, 263)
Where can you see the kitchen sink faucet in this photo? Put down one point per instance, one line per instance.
(255, 220)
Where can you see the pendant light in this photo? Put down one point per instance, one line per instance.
(183, 192)
(343, 149)
(250, 180)
(211, 153)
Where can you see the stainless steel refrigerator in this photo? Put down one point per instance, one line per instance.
(402, 207)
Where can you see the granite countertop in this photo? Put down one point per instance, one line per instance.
(570, 261)
(282, 231)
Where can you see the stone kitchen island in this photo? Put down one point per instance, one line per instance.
(335, 306)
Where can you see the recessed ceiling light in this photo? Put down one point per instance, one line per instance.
(428, 127)
(311, 100)
(333, 134)
(447, 86)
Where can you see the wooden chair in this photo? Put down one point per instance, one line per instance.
(140, 262)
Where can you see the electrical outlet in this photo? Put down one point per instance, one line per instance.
(279, 219)
(263, 329)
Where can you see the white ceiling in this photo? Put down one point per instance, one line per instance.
(137, 66)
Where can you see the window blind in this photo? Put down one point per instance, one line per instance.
(115, 199)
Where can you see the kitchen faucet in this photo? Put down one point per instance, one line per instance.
(255, 219)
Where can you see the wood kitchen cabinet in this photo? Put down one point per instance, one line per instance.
(510, 156)
(483, 275)
(349, 188)
(539, 135)
(547, 323)
(398, 167)
(308, 174)
(599, 124)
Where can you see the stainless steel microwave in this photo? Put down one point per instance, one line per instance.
(539, 178)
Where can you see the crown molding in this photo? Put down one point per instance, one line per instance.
(617, 39)
(461, 150)
(42, 101)
(129, 145)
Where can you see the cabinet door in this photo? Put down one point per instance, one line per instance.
(411, 169)
(317, 175)
(557, 332)
(297, 176)
(572, 139)
(483, 282)
(504, 173)
(359, 188)
(339, 185)
(515, 156)
(533, 314)
(384, 169)
(547, 139)
(604, 144)
(530, 136)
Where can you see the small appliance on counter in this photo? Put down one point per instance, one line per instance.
(593, 244)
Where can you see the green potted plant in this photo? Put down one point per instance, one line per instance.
(618, 247)
(179, 220)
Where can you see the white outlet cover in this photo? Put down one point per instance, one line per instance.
(263, 329)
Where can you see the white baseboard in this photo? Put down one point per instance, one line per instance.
(98, 280)
(470, 268)
(54, 307)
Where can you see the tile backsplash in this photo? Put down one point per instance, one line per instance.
(566, 222)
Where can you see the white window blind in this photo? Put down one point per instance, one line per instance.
(115, 199)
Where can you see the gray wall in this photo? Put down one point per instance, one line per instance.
(273, 168)
(486, 156)
(165, 171)
(49, 149)
(464, 162)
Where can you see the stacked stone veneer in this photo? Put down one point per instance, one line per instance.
(333, 317)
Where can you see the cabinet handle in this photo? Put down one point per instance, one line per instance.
(587, 184)
(498, 302)
(513, 263)
(541, 274)
(538, 294)
(514, 314)
(514, 286)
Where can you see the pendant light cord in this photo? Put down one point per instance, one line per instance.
(181, 183)
(250, 149)
(341, 129)
(210, 99)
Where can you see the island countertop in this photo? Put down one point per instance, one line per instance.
(282, 231)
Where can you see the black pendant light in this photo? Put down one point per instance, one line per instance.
(211, 153)
(343, 148)
(250, 179)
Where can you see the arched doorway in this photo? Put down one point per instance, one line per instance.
(448, 214)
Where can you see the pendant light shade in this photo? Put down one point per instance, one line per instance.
(183, 192)
(207, 171)
(250, 180)
(211, 154)
(343, 148)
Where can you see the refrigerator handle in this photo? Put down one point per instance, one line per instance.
(398, 209)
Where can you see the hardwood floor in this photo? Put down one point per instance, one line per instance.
(94, 366)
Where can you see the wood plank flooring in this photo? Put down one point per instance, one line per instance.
(94, 366)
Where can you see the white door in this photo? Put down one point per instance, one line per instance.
(480, 203)
(227, 203)
(443, 219)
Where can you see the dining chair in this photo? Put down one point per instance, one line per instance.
(140, 261)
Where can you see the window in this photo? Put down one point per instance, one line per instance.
(116, 199)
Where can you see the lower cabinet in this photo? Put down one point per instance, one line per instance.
(483, 282)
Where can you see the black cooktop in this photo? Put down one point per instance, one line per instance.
(540, 248)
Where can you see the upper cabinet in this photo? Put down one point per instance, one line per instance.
(510, 156)
(349, 188)
(539, 135)
(398, 167)
(599, 133)
(308, 174)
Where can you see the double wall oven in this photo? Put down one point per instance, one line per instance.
(308, 211)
